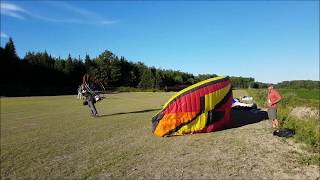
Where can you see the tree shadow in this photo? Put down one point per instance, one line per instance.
(242, 117)
(132, 112)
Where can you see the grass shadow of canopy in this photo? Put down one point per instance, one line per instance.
(242, 117)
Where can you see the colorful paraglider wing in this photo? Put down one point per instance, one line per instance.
(202, 107)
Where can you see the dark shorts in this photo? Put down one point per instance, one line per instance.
(272, 113)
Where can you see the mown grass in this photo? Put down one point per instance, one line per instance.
(55, 137)
(307, 130)
(239, 93)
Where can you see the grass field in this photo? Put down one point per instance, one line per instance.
(55, 137)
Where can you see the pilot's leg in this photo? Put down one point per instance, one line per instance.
(92, 108)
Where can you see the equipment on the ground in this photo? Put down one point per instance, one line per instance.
(236, 104)
(285, 132)
(247, 98)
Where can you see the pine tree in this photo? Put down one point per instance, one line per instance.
(69, 65)
(87, 58)
(10, 51)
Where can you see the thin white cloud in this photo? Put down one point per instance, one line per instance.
(3, 35)
(10, 7)
(82, 16)
(108, 22)
(12, 14)
(86, 15)
(12, 10)
(77, 10)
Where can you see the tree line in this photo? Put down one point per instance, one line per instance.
(296, 84)
(39, 73)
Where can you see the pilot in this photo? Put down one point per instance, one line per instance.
(89, 95)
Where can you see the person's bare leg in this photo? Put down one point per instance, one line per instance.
(273, 123)
(276, 123)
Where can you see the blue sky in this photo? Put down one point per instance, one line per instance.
(268, 40)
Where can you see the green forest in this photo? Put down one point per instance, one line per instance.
(39, 73)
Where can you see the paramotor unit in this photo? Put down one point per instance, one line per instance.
(93, 87)
(97, 90)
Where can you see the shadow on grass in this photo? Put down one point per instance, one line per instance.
(242, 117)
(132, 112)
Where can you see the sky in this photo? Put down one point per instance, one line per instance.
(271, 41)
